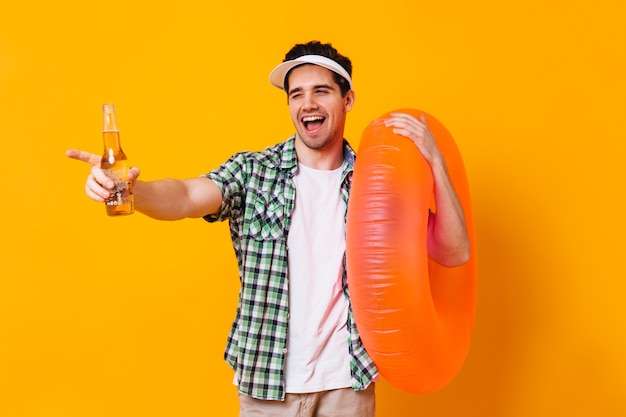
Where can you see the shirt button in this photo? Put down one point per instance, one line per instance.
(285, 350)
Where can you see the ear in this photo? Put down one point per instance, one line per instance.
(350, 98)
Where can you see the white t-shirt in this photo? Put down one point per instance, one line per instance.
(317, 348)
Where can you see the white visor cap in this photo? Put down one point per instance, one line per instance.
(278, 74)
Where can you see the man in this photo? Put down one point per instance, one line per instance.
(294, 346)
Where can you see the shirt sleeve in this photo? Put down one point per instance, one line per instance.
(230, 177)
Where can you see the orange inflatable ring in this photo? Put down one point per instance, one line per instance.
(415, 317)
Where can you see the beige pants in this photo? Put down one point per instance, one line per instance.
(335, 403)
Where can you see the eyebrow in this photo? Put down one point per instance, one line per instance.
(315, 87)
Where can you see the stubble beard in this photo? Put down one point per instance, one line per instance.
(316, 142)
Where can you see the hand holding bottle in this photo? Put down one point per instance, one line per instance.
(111, 180)
(98, 185)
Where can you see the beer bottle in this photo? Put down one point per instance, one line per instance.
(115, 165)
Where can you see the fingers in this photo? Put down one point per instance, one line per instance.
(98, 185)
(407, 125)
(417, 130)
(84, 156)
(133, 173)
(407, 121)
(409, 117)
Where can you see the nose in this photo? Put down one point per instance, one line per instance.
(309, 101)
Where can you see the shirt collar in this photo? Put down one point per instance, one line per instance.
(289, 160)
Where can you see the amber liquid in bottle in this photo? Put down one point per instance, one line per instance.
(115, 165)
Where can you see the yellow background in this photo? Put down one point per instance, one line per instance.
(129, 316)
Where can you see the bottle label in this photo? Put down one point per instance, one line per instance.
(121, 193)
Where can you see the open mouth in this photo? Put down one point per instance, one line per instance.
(312, 123)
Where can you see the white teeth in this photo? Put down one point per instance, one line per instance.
(312, 119)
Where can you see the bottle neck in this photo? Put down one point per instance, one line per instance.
(111, 141)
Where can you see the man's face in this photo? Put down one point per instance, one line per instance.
(317, 109)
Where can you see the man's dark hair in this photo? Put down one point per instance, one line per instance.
(323, 49)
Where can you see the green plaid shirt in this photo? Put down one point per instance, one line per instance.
(258, 199)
